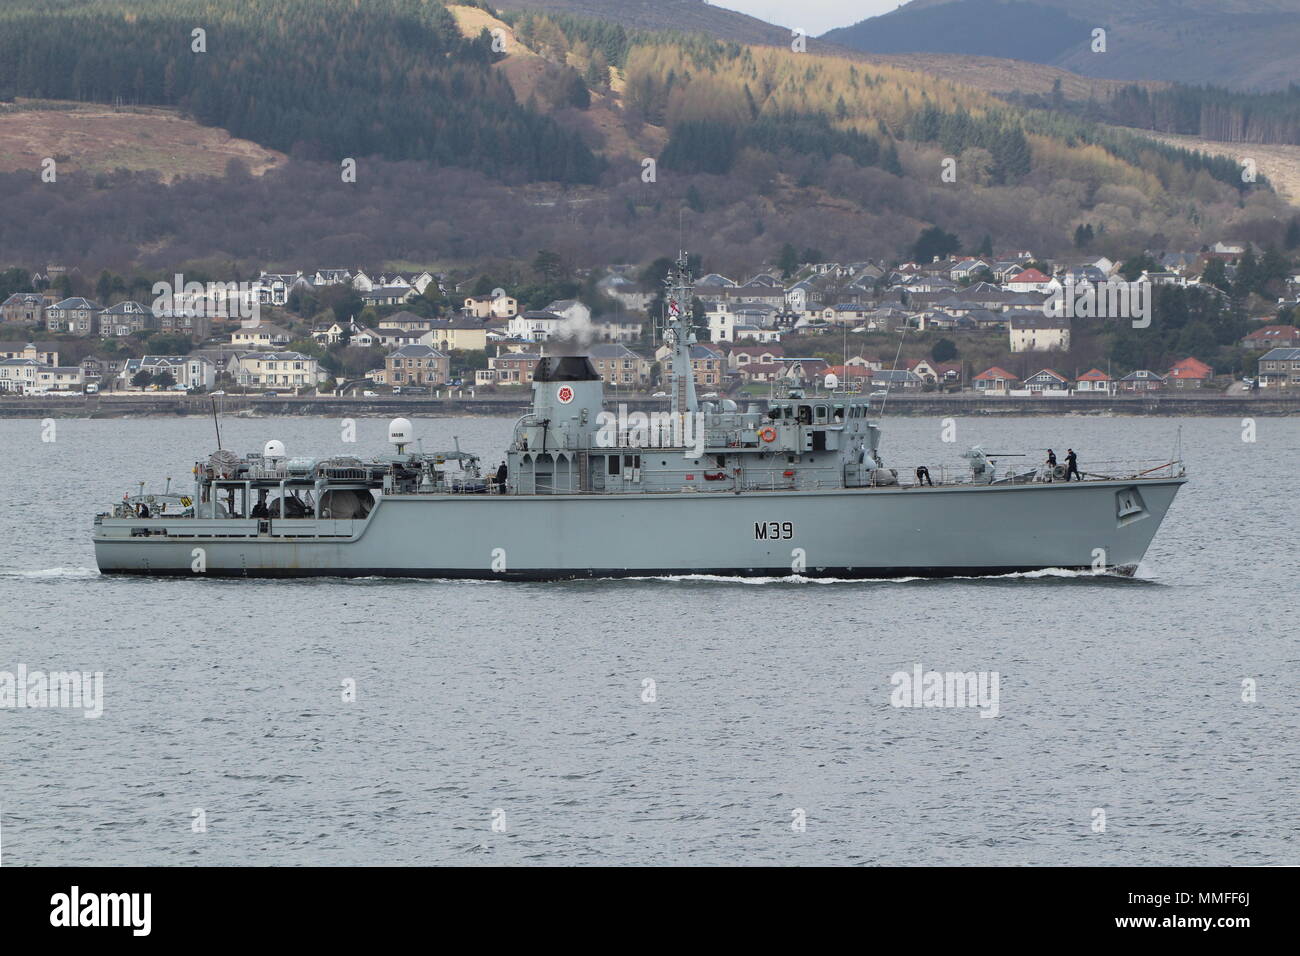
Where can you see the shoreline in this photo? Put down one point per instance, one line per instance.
(931, 405)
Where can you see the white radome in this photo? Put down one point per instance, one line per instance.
(400, 431)
(273, 449)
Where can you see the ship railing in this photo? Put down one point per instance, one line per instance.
(1133, 469)
(1110, 470)
(526, 420)
(940, 476)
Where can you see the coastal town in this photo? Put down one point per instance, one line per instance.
(983, 325)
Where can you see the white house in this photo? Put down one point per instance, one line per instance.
(331, 277)
(273, 288)
(1039, 334)
(192, 371)
(19, 375)
(263, 336)
(534, 326)
(1095, 382)
(570, 309)
(284, 370)
(1030, 280)
(752, 333)
(500, 306)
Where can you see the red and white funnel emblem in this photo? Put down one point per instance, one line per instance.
(565, 394)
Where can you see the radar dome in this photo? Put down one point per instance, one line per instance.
(832, 382)
(273, 449)
(400, 431)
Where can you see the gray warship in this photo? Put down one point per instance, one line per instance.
(707, 488)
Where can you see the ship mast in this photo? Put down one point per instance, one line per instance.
(679, 334)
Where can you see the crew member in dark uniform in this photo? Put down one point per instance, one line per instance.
(501, 478)
(923, 476)
(1072, 465)
(1051, 458)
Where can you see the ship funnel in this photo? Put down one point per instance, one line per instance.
(568, 396)
(273, 449)
(400, 433)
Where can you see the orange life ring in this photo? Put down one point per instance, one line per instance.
(768, 434)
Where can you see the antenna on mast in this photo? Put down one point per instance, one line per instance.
(890, 384)
(216, 424)
(678, 332)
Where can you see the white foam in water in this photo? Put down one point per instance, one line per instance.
(54, 573)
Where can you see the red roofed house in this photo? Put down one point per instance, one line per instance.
(1095, 381)
(1031, 280)
(1273, 337)
(922, 370)
(1189, 373)
(995, 381)
(851, 373)
(761, 371)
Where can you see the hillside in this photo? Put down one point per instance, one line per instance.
(1240, 44)
(331, 79)
(98, 139)
(994, 75)
(1279, 162)
(679, 16)
(469, 154)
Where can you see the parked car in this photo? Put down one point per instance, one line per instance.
(92, 389)
(369, 394)
(659, 395)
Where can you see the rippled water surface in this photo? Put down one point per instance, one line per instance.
(523, 703)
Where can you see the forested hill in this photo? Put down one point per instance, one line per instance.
(1204, 111)
(319, 79)
(1239, 44)
(754, 146)
(681, 16)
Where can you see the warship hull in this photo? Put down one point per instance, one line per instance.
(944, 531)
